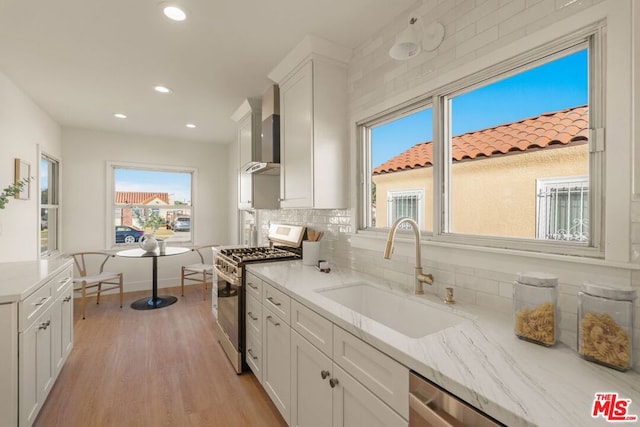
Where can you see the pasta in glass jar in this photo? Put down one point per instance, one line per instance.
(534, 307)
(605, 325)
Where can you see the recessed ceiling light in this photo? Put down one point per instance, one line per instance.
(120, 116)
(190, 125)
(162, 89)
(174, 13)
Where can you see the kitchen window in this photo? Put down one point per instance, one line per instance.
(150, 199)
(514, 154)
(399, 161)
(49, 205)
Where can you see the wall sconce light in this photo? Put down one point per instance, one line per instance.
(413, 39)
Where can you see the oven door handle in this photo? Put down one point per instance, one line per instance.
(226, 277)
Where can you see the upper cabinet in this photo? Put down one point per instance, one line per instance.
(254, 191)
(313, 125)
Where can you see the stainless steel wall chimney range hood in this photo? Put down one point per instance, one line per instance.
(269, 149)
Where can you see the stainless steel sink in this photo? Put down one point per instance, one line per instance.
(401, 313)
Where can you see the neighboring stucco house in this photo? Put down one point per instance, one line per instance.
(523, 179)
(124, 215)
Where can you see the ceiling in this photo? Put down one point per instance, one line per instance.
(84, 60)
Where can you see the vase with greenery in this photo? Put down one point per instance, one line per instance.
(152, 222)
(11, 191)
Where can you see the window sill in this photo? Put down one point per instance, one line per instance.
(375, 240)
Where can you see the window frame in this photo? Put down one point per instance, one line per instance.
(53, 184)
(590, 37)
(111, 206)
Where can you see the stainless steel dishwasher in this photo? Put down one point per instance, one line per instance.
(429, 405)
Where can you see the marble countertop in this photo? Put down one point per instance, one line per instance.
(480, 360)
(19, 279)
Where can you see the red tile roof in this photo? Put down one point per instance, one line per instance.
(139, 198)
(565, 127)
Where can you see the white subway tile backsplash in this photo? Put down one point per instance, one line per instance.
(494, 302)
(506, 289)
(480, 40)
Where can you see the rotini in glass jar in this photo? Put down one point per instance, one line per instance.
(605, 325)
(535, 308)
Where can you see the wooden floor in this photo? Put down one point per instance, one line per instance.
(160, 367)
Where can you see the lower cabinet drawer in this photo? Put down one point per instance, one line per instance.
(385, 377)
(61, 281)
(31, 307)
(253, 354)
(254, 316)
(312, 326)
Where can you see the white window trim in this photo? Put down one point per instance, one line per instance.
(591, 36)
(57, 206)
(110, 180)
(393, 194)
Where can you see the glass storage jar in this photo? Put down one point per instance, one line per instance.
(535, 316)
(605, 325)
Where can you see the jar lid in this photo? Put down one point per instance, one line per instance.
(598, 290)
(535, 278)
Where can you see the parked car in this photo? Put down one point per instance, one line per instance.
(126, 234)
(181, 224)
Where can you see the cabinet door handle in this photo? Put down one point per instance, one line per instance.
(44, 325)
(250, 351)
(270, 319)
(252, 286)
(67, 299)
(250, 314)
(324, 374)
(271, 300)
(333, 382)
(42, 301)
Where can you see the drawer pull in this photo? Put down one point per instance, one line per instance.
(324, 374)
(44, 325)
(271, 300)
(333, 382)
(250, 314)
(250, 351)
(67, 299)
(252, 286)
(42, 301)
(269, 318)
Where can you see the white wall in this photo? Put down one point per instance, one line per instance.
(24, 129)
(84, 192)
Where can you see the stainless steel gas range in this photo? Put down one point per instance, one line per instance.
(230, 266)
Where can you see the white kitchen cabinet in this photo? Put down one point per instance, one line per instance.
(325, 362)
(255, 191)
(62, 327)
(276, 363)
(313, 124)
(311, 394)
(355, 405)
(36, 368)
(253, 322)
(276, 348)
(36, 329)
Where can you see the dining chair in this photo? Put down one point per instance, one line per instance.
(201, 273)
(89, 284)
